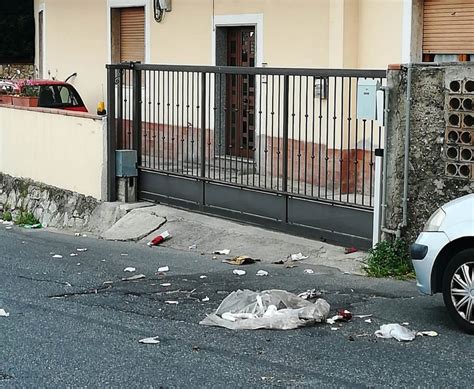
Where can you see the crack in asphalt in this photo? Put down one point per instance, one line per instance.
(43, 280)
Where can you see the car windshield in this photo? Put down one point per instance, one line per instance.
(58, 96)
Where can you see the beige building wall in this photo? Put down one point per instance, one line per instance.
(75, 41)
(66, 151)
(296, 33)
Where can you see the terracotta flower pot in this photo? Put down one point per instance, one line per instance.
(6, 99)
(25, 101)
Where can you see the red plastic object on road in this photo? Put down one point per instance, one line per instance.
(344, 314)
(160, 239)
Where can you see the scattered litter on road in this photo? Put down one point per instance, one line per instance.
(202, 277)
(57, 256)
(334, 328)
(205, 299)
(344, 314)
(165, 284)
(134, 278)
(362, 335)
(129, 269)
(73, 255)
(238, 272)
(67, 284)
(81, 250)
(163, 269)
(103, 260)
(222, 252)
(240, 260)
(350, 250)
(214, 257)
(107, 282)
(32, 226)
(153, 340)
(171, 302)
(78, 264)
(405, 324)
(193, 247)
(427, 333)
(246, 309)
(84, 235)
(3, 313)
(297, 257)
(368, 321)
(8, 227)
(362, 316)
(262, 273)
(159, 239)
(396, 331)
(308, 271)
(309, 294)
(77, 234)
(7, 223)
(124, 254)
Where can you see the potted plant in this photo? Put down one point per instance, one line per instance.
(6, 91)
(28, 97)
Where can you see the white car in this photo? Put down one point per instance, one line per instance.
(443, 257)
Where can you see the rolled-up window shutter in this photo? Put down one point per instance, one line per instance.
(448, 27)
(132, 34)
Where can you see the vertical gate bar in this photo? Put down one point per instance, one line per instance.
(349, 119)
(306, 139)
(326, 158)
(241, 137)
(265, 150)
(209, 139)
(145, 124)
(182, 123)
(259, 131)
(299, 130)
(172, 121)
(334, 118)
(272, 127)
(168, 120)
(203, 124)
(313, 83)
(286, 103)
(137, 114)
(187, 123)
(364, 128)
(371, 163)
(379, 155)
(119, 105)
(192, 123)
(356, 141)
(278, 153)
(293, 135)
(111, 134)
(341, 141)
(153, 113)
(320, 117)
(219, 112)
(248, 128)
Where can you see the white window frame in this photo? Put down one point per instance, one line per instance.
(407, 31)
(128, 4)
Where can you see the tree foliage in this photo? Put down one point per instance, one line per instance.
(17, 31)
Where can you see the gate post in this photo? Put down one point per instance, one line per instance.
(286, 95)
(111, 134)
(203, 124)
(137, 111)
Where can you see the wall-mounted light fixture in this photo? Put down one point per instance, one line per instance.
(160, 7)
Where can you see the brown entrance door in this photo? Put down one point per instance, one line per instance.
(240, 93)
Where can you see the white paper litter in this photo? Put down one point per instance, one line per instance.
(427, 333)
(205, 299)
(396, 331)
(77, 234)
(368, 321)
(202, 277)
(3, 313)
(171, 302)
(124, 255)
(239, 272)
(297, 257)
(129, 269)
(134, 278)
(153, 340)
(163, 269)
(309, 294)
(73, 255)
(222, 252)
(362, 316)
(193, 247)
(262, 273)
(7, 223)
(81, 250)
(8, 227)
(165, 284)
(271, 309)
(57, 256)
(308, 271)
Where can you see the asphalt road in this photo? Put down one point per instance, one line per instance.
(67, 329)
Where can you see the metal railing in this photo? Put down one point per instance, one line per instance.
(292, 131)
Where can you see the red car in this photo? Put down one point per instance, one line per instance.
(51, 93)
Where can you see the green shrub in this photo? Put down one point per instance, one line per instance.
(7, 216)
(390, 258)
(26, 218)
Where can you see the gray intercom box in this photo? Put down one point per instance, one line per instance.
(126, 163)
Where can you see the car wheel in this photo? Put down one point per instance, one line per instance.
(458, 289)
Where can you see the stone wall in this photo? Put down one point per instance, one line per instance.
(430, 185)
(17, 71)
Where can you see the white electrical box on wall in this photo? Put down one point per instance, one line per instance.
(367, 99)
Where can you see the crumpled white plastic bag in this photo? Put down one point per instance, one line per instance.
(269, 309)
(396, 331)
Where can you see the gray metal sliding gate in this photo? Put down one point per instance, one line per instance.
(275, 147)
